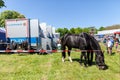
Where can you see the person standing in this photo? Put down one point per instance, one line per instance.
(109, 46)
(58, 44)
(116, 43)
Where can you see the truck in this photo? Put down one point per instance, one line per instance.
(19, 30)
(38, 36)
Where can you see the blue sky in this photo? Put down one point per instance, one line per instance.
(69, 13)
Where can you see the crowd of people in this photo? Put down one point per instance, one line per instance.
(110, 42)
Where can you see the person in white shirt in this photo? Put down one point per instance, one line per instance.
(109, 45)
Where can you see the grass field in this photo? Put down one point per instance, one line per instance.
(50, 67)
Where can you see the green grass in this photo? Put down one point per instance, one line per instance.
(50, 67)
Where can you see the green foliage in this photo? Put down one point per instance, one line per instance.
(2, 3)
(9, 15)
(65, 30)
(77, 30)
(72, 30)
(101, 28)
(86, 30)
(62, 31)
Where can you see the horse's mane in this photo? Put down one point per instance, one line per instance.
(93, 42)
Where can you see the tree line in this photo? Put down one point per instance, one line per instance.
(78, 30)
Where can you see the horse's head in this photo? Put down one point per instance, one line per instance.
(100, 60)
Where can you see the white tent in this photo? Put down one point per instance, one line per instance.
(108, 31)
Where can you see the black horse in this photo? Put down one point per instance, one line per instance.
(73, 41)
(93, 46)
(86, 43)
(88, 47)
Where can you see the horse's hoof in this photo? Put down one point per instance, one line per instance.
(85, 66)
(71, 61)
(90, 64)
(63, 61)
(80, 63)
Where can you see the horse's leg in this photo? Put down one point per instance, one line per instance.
(88, 57)
(63, 54)
(96, 59)
(81, 56)
(85, 57)
(91, 59)
(69, 50)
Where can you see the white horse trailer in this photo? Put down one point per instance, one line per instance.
(49, 41)
(46, 40)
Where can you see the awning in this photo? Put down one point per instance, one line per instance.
(116, 32)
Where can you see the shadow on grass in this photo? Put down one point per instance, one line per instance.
(23, 53)
(11, 53)
(6, 53)
(77, 60)
(113, 54)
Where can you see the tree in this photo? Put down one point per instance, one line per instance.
(72, 30)
(9, 15)
(78, 30)
(62, 31)
(101, 28)
(2, 3)
(65, 30)
(86, 30)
